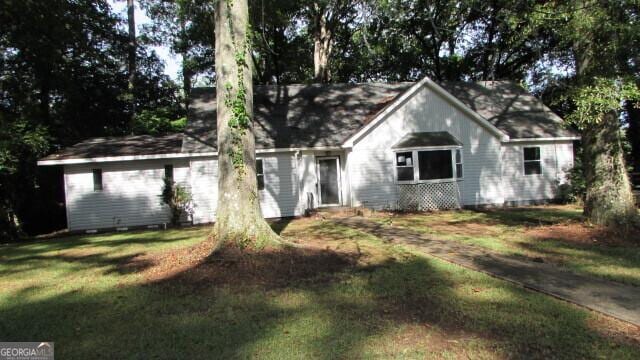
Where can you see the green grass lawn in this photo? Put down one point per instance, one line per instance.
(348, 295)
(555, 234)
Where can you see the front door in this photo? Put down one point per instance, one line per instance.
(329, 180)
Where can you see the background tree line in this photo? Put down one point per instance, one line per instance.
(65, 67)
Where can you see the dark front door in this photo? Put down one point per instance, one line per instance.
(329, 181)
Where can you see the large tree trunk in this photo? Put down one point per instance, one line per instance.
(187, 76)
(131, 20)
(322, 45)
(609, 200)
(239, 218)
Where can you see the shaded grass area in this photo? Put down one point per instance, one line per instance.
(347, 294)
(556, 234)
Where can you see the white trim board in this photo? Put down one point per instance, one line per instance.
(172, 156)
(547, 139)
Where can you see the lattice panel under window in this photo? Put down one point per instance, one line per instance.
(429, 196)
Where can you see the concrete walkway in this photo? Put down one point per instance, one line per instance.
(610, 298)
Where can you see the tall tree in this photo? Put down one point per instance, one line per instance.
(239, 219)
(187, 28)
(324, 19)
(281, 47)
(63, 78)
(133, 48)
(601, 85)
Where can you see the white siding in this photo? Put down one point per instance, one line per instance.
(278, 199)
(556, 160)
(204, 184)
(371, 162)
(308, 180)
(130, 195)
(280, 195)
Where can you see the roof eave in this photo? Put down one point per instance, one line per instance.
(544, 139)
(72, 161)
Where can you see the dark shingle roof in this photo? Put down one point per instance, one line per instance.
(420, 139)
(295, 115)
(121, 146)
(510, 108)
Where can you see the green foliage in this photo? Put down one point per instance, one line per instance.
(603, 96)
(63, 78)
(157, 122)
(178, 199)
(575, 189)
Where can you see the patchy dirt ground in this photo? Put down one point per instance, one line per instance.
(582, 233)
(269, 268)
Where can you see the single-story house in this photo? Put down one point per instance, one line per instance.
(421, 145)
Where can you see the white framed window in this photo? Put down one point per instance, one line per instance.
(459, 172)
(260, 174)
(532, 161)
(428, 165)
(404, 166)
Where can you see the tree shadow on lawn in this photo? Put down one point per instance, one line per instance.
(84, 249)
(305, 303)
(623, 261)
(531, 216)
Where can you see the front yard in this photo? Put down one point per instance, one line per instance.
(554, 234)
(348, 294)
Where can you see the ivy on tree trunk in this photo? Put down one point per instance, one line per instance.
(239, 219)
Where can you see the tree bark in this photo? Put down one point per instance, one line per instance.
(609, 199)
(322, 45)
(239, 219)
(187, 76)
(131, 20)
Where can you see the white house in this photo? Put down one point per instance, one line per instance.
(416, 145)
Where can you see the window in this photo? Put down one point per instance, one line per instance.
(168, 172)
(532, 163)
(459, 173)
(404, 166)
(260, 174)
(97, 179)
(429, 165)
(434, 165)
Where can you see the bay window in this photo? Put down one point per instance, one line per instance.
(435, 165)
(459, 173)
(425, 165)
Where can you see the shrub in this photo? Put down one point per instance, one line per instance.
(178, 199)
(574, 190)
